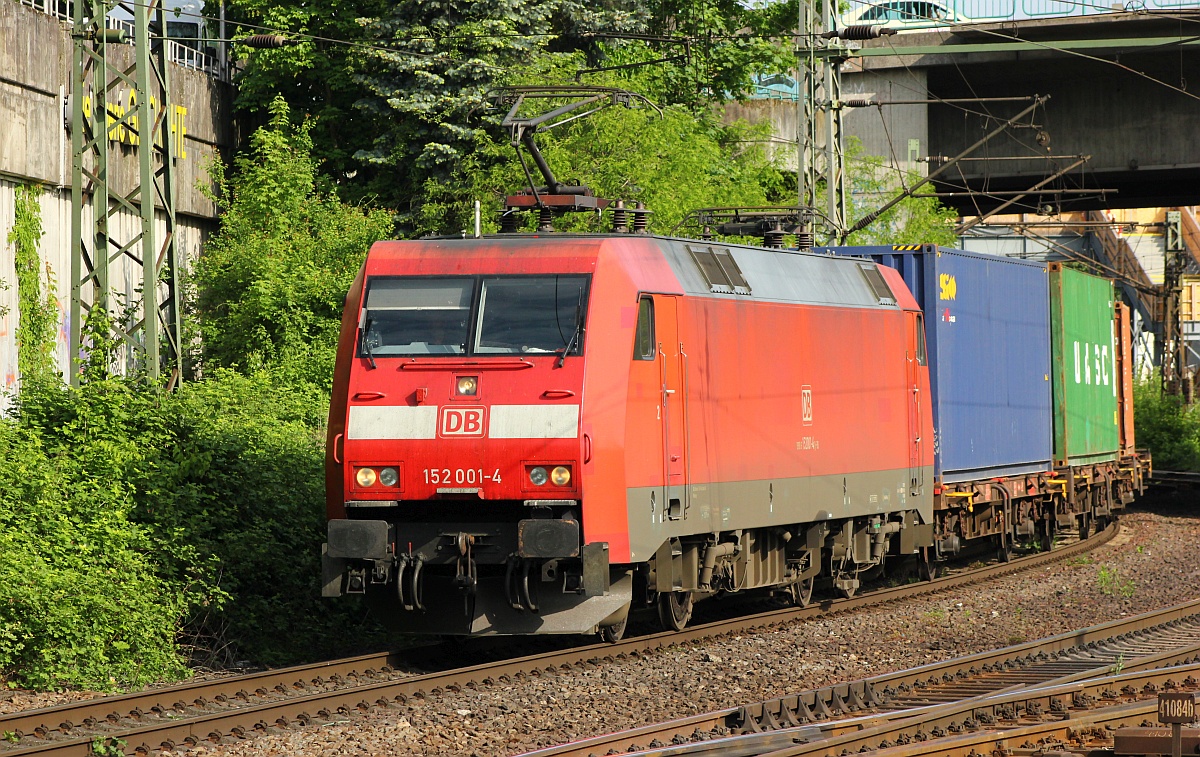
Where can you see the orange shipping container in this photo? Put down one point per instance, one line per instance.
(1124, 370)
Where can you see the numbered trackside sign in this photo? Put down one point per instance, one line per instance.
(1177, 707)
(463, 421)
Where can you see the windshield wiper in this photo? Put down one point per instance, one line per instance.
(562, 353)
(366, 343)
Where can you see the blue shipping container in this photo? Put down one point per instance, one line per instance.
(987, 324)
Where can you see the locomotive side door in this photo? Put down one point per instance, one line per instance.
(916, 360)
(672, 361)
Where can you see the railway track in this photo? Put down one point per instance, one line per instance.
(1148, 642)
(241, 706)
(1175, 479)
(1055, 719)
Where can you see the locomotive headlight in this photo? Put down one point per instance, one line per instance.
(389, 476)
(365, 477)
(538, 476)
(561, 476)
(468, 385)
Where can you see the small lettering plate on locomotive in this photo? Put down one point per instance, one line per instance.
(460, 476)
(1177, 708)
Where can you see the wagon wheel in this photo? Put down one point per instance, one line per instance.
(927, 565)
(674, 609)
(614, 633)
(1046, 533)
(801, 591)
(1004, 548)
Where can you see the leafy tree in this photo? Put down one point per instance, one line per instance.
(429, 75)
(317, 77)
(728, 42)
(674, 162)
(399, 103)
(271, 283)
(1167, 427)
(916, 220)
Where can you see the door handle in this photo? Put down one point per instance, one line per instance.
(336, 439)
(587, 448)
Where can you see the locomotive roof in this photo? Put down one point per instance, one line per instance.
(757, 273)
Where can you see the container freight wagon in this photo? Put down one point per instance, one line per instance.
(989, 326)
(1093, 435)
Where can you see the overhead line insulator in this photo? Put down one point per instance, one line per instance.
(859, 32)
(268, 41)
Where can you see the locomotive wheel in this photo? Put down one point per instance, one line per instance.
(674, 610)
(614, 633)
(801, 592)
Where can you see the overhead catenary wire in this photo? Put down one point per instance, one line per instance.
(868, 218)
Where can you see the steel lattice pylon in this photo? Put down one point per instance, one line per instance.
(821, 158)
(146, 330)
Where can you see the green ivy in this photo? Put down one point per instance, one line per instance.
(37, 310)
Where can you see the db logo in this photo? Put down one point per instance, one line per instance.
(806, 405)
(462, 421)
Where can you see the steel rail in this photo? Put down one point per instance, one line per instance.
(1012, 710)
(1000, 720)
(1056, 660)
(765, 742)
(225, 707)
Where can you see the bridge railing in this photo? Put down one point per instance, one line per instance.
(177, 52)
(918, 14)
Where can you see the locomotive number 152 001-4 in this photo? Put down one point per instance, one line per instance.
(460, 476)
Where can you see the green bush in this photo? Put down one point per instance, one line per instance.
(81, 600)
(217, 491)
(271, 283)
(1166, 427)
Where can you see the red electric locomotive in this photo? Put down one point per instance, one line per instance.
(537, 434)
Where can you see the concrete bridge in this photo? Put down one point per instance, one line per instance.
(1124, 89)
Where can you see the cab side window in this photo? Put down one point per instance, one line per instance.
(643, 345)
(922, 357)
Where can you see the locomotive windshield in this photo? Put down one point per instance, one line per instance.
(485, 315)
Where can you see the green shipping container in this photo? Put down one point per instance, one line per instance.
(1084, 365)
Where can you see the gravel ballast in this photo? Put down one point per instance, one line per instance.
(1152, 563)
